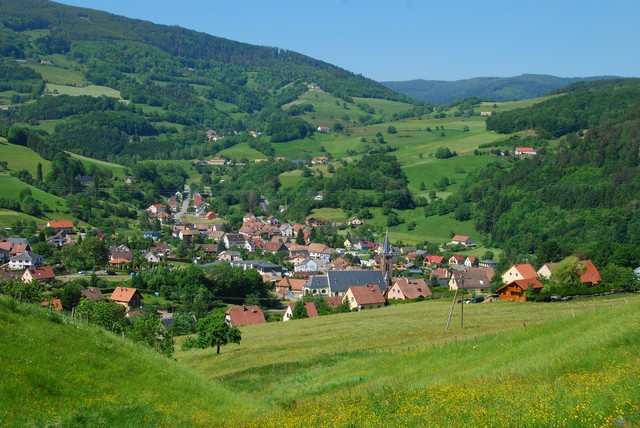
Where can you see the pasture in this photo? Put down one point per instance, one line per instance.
(20, 157)
(560, 364)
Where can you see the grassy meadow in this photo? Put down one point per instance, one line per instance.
(20, 157)
(565, 364)
(512, 364)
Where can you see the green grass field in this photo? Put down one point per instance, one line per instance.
(57, 75)
(12, 187)
(91, 90)
(9, 217)
(558, 364)
(118, 170)
(20, 157)
(242, 151)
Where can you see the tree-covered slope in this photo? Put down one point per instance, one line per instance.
(176, 84)
(584, 194)
(489, 88)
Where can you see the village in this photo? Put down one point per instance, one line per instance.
(361, 274)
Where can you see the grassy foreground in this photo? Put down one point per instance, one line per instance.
(565, 364)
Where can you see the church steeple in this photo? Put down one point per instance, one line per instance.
(386, 261)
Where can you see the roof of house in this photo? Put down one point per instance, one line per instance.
(60, 224)
(367, 294)
(292, 283)
(118, 261)
(41, 272)
(333, 301)
(339, 281)
(441, 273)
(124, 294)
(524, 284)
(413, 288)
(26, 255)
(474, 277)
(526, 270)
(460, 238)
(246, 315)
(590, 274)
(56, 304)
(92, 294)
(320, 248)
(312, 311)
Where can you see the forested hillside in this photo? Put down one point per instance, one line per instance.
(489, 88)
(582, 195)
(172, 84)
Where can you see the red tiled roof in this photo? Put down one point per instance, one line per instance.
(413, 288)
(590, 274)
(312, 311)
(367, 294)
(526, 270)
(460, 238)
(246, 315)
(41, 272)
(56, 304)
(123, 294)
(66, 224)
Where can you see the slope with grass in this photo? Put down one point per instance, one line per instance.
(55, 373)
(513, 364)
(565, 364)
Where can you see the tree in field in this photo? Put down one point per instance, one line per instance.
(568, 272)
(70, 296)
(148, 329)
(299, 311)
(213, 331)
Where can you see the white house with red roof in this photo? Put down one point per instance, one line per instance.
(61, 225)
(519, 271)
(364, 297)
(525, 151)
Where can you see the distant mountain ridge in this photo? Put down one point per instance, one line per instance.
(520, 87)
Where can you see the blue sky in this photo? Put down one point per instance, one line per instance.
(420, 39)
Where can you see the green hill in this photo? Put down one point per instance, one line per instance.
(489, 88)
(60, 374)
(574, 364)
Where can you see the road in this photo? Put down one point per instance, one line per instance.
(185, 203)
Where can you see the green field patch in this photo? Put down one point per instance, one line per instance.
(20, 157)
(387, 107)
(290, 178)
(242, 151)
(9, 217)
(300, 149)
(11, 188)
(512, 105)
(57, 75)
(331, 214)
(91, 90)
(118, 170)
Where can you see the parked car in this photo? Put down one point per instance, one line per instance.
(81, 272)
(477, 299)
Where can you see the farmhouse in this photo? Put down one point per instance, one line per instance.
(336, 283)
(519, 271)
(93, 294)
(54, 304)
(517, 290)
(408, 288)
(589, 277)
(310, 307)
(244, 315)
(473, 279)
(129, 297)
(462, 240)
(364, 297)
(61, 225)
(25, 260)
(525, 151)
(41, 274)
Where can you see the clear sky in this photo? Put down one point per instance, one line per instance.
(420, 39)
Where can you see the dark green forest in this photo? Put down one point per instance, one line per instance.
(582, 196)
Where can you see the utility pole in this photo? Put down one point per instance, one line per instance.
(462, 302)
